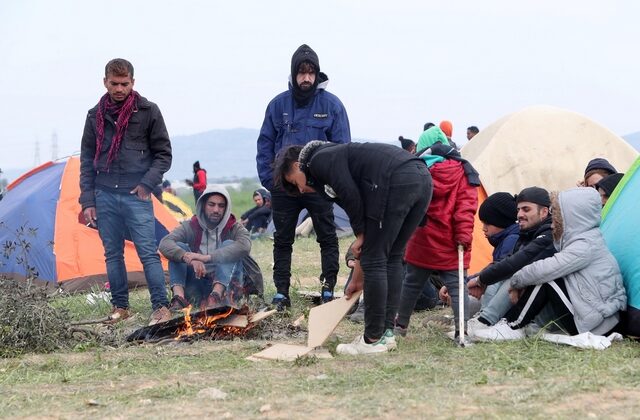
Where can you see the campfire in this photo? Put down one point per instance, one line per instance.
(216, 326)
(212, 324)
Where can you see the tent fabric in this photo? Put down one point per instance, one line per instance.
(343, 226)
(176, 207)
(481, 249)
(25, 213)
(544, 146)
(64, 251)
(621, 230)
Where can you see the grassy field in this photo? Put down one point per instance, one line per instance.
(428, 377)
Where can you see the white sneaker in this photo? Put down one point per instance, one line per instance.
(500, 332)
(389, 340)
(359, 346)
(474, 325)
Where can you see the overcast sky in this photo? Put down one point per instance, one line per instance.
(395, 65)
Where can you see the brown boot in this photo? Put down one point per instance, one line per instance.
(117, 315)
(162, 314)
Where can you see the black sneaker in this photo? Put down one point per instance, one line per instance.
(281, 302)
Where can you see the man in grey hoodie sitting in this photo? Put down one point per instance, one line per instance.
(206, 254)
(581, 282)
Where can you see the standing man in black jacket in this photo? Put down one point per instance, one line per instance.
(535, 243)
(385, 191)
(124, 153)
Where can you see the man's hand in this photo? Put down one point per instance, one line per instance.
(475, 288)
(356, 246)
(189, 257)
(465, 246)
(514, 295)
(357, 280)
(142, 192)
(199, 268)
(443, 294)
(90, 216)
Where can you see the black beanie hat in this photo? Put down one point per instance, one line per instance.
(499, 210)
(536, 195)
(406, 143)
(609, 183)
(600, 163)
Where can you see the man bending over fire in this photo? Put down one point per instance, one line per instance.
(206, 253)
(385, 191)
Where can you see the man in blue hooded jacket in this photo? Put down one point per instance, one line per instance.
(304, 112)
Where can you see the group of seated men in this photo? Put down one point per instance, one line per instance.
(552, 268)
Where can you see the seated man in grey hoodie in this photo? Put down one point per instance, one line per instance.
(581, 282)
(206, 254)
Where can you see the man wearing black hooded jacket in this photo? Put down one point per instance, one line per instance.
(535, 242)
(304, 112)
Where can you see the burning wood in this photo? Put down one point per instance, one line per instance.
(214, 323)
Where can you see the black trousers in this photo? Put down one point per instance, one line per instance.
(535, 298)
(384, 244)
(285, 210)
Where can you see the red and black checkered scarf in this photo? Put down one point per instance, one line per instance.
(120, 110)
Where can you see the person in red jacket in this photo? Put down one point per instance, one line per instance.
(432, 248)
(199, 183)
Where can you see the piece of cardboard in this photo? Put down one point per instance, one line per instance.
(320, 353)
(259, 316)
(325, 318)
(280, 351)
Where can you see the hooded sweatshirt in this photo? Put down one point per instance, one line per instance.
(591, 274)
(304, 53)
(258, 217)
(211, 236)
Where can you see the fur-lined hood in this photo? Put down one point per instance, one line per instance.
(574, 212)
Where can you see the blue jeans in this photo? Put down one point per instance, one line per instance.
(495, 302)
(182, 274)
(119, 214)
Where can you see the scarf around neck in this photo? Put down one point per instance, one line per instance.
(122, 112)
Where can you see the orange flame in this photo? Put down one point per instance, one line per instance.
(202, 324)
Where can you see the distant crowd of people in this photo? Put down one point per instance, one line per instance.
(411, 209)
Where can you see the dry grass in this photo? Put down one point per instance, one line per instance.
(427, 377)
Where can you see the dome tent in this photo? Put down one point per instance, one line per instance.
(543, 146)
(41, 208)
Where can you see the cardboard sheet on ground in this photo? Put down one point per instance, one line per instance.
(281, 351)
(325, 318)
(288, 353)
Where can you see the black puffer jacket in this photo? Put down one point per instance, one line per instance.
(356, 176)
(144, 155)
(532, 245)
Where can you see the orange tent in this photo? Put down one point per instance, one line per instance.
(62, 250)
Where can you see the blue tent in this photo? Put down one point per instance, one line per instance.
(621, 230)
